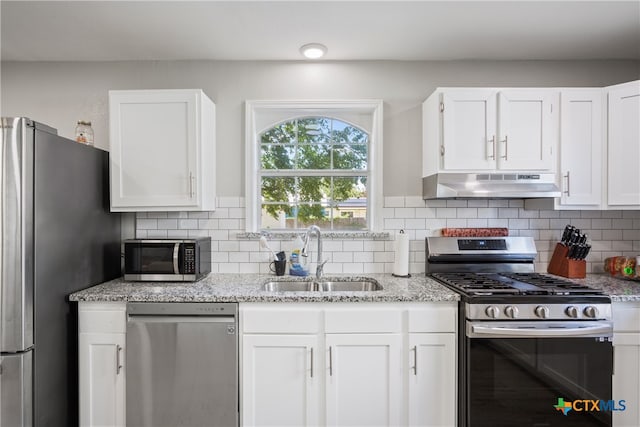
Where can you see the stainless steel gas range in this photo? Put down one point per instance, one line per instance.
(529, 343)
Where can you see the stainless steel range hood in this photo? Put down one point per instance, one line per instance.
(514, 185)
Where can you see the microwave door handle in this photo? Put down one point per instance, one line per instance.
(498, 331)
(176, 251)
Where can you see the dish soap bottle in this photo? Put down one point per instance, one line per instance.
(297, 266)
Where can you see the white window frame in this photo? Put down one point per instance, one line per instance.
(261, 115)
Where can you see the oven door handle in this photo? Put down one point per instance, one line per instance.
(176, 252)
(484, 331)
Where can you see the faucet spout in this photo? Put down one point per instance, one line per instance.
(314, 229)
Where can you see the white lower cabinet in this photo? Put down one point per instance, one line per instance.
(341, 364)
(101, 341)
(432, 360)
(364, 382)
(280, 380)
(626, 375)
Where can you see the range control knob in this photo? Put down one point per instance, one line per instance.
(542, 311)
(591, 311)
(511, 311)
(492, 311)
(572, 311)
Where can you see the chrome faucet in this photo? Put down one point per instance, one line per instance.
(314, 229)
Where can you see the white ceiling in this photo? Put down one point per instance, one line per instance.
(352, 30)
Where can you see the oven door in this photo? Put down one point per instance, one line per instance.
(153, 260)
(525, 373)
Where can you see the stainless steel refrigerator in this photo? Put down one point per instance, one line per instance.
(57, 237)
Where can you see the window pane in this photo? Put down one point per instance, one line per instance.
(343, 133)
(277, 189)
(277, 216)
(277, 156)
(314, 156)
(352, 157)
(283, 133)
(314, 130)
(313, 188)
(350, 203)
(314, 213)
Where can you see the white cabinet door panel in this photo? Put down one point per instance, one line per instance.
(280, 380)
(581, 147)
(469, 129)
(524, 130)
(624, 145)
(432, 379)
(626, 378)
(364, 379)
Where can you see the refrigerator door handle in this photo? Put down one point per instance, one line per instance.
(16, 381)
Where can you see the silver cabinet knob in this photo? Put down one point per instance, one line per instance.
(542, 312)
(591, 311)
(492, 311)
(511, 311)
(572, 311)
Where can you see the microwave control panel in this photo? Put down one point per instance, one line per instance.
(189, 259)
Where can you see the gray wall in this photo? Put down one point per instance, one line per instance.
(59, 94)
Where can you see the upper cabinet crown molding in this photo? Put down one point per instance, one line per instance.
(162, 150)
(489, 129)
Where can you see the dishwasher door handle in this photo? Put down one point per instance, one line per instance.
(182, 319)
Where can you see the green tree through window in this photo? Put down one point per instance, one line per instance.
(314, 170)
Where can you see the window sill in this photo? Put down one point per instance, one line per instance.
(331, 235)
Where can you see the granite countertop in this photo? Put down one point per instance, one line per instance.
(620, 290)
(248, 288)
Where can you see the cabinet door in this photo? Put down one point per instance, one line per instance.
(102, 393)
(525, 130)
(468, 129)
(624, 145)
(581, 147)
(153, 149)
(364, 379)
(280, 380)
(626, 378)
(432, 379)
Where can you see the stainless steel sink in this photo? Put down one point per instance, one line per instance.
(329, 285)
(289, 286)
(356, 285)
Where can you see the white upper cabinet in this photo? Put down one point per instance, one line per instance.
(623, 145)
(581, 148)
(162, 150)
(477, 129)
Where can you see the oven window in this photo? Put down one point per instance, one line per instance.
(155, 258)
(519, 381)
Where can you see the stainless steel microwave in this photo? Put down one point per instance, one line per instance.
(167, 260)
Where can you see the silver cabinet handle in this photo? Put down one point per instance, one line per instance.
(506, 143)
(567, 192)
(330, 362)
(492, 156)
(118, 359)
(311, 362)
(415, 359)
(191, 191)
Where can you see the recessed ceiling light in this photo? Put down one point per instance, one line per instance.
(313, 50)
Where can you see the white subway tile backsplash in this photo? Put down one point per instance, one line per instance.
(187, 223)
(610, 232)
(394, 202)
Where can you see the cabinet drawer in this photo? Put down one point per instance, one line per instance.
(363, 318)
(433, 317)
(280, 318)
(102, 317)
(626, 316)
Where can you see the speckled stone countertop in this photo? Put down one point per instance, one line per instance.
(618, 289)
(248, 288)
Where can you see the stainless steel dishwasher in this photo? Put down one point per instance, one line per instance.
(182, 364)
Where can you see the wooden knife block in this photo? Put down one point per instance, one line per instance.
(560, 265)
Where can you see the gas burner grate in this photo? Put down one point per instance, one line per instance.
(554, 285)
